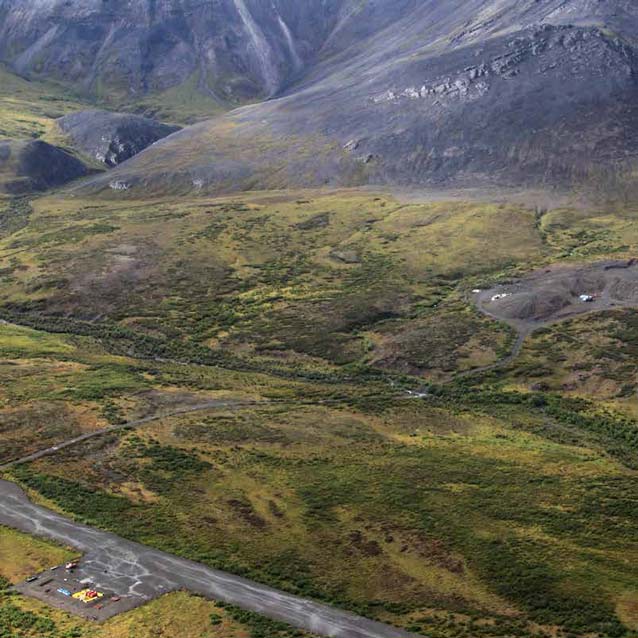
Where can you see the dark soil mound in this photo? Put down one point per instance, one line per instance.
(27, 166)
(531, 306)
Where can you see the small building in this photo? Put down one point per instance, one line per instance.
(586, 298)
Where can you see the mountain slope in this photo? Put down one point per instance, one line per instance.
(388, 92)
(515, 93)
(33, 165)
(236, 49)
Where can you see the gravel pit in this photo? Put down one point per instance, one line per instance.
(560, 292)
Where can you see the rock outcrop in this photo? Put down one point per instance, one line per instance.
(112, 138)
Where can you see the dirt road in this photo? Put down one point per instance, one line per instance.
(209, 405)
(554, 294)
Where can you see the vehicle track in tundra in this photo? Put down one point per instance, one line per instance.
(208, 405)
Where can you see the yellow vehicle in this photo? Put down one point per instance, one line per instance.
(88, 595)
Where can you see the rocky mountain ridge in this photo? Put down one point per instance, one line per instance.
(401, 92)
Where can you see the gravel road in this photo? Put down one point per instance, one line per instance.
(138, 574)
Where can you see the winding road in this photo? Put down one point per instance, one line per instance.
(501, 363)
(140, 573)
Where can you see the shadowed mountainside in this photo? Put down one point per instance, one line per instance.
(32, 165)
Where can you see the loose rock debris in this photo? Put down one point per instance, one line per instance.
(560, 292)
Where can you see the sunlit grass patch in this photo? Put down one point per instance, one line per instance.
(22, 555)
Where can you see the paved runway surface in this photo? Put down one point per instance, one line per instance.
(139, 574)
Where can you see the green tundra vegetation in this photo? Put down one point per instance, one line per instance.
(501, 503)
(369, 442)
(29, 109)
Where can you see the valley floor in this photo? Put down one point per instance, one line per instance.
(366, 440)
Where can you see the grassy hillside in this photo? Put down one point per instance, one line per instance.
(28, 109)
(502, 504)
(181, 104)
(312, 279)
